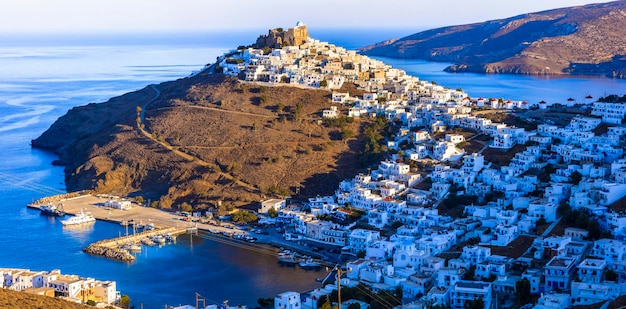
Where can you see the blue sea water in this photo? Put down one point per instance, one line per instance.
(41, 77)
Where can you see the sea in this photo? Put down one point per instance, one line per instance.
(43, 76)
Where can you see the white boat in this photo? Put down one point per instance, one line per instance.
(159, 239)
(309, 263)
(79, 218)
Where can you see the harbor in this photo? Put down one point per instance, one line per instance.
(160, 223)
(163, 225)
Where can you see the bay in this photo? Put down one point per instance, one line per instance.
(39, 82)
(42, 77)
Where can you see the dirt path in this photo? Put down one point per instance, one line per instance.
(141, 126)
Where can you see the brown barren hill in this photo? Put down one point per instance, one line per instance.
(588, 39)
(21, 300)
(206, 140)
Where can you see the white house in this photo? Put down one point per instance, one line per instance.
(463, 291)
(118, 204)
(277, 204)
(287, 300)
(559, 273)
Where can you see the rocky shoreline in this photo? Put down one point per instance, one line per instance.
(111, 253)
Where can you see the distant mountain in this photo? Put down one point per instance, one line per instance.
(588, 39)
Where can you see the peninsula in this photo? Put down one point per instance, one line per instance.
(586, 39)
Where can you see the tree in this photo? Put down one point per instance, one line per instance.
(280, 107)
(323, 83)
(243, 217)
(575, 177)
(477, 303)
(266, 302)
(272, 212)
(610, 275)
(263, 99)
(297, 112)
(522, 291)
(469, 274)
(139, 199)
(346, 134)
(360, 254)
(91, 302)
(326, 304)
(185, 207)
(354, 306)
(124, 302)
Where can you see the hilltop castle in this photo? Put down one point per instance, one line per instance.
(277, 38)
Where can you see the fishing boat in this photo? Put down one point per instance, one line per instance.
(52, 210)
(79, 218)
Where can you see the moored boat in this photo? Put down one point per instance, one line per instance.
(288, 259)
(159, 239)
(309, 263)
(52, 210)
(79, 218)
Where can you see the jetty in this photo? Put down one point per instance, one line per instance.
(110, 248)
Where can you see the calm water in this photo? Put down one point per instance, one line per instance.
(41, 78)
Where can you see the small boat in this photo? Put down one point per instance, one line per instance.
(79, 218)
(147, 241)
(159, 239)
(134, 247)
(52, 210)
(309, 263)
(589, 97)
(169, 237)
(570, 99)
(288, 259)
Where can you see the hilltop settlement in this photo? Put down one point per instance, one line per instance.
(465, 210)
(476, 202)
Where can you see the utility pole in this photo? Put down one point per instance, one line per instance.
(200, 299)
(339, 287)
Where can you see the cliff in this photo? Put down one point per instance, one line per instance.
(587, 39)
(207, 140)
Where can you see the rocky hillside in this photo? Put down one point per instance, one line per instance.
(206, 140)
(587, 39)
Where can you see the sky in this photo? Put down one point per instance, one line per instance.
(132, 16)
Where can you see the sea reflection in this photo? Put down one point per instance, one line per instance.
(79, 232)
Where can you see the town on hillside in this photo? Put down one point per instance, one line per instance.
(467, 211)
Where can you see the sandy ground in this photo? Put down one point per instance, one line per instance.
(145, 215)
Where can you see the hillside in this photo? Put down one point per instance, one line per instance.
(206, 140)
(21, 300)
(587, 39)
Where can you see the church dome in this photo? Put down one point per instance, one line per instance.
(299, 24)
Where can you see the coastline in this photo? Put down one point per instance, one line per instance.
(162, 220)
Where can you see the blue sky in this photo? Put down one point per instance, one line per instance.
(45, 16)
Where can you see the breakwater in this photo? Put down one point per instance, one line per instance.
(110, 248)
